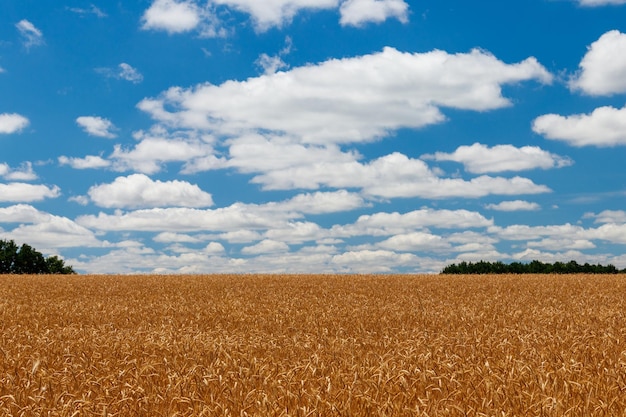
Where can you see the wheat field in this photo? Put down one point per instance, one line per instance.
(313, 345)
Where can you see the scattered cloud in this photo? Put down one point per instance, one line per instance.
(140, 191)
(19, 192)
(88, 162)
(354, 99)
(97, 126)
(271, 64)
(515, 205)
(23, 173)
(128, 73)
(181, 16)
(92, 10)
(45, 231)
(276, 13)
(608, 216)
(12, 123)
(359, 12)
(605, 126)
(603, 68)
(172, 16)
(31, 36)
(595, 3)
(481, 159)
(266, 246)
(122, 72)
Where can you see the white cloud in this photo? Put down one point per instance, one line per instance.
(267, 14)
(21, 192)
(353, 99)
(23, 173)
(609, 216)
(296, 232)
(172, 16)
(266, 246)
(415, 241)
(271, 64)
(139, 191)
(594, 3)
(97, 126)
(392, 176)
(524, 232)
(358, 12)
(557, 244)
(128, 73)
(605, 126)
(516, 205)
(90, 161)
(12, 123)
(155, 148)
(123, 71)
(85, 11)
(31, 36)
(319, 203)
(374, 261)
(169, 237)
(45, 231)
(182, 219)
(603, 68)
(480, 159)
(386, 224)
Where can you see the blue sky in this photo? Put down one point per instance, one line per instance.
(350, 136)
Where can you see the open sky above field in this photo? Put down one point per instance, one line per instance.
(199, 136)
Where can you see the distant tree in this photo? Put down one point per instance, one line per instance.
(534, 267)
(26, 260)
(57, 266)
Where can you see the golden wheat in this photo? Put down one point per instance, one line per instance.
(312, 345)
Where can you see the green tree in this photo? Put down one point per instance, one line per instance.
(26, 260)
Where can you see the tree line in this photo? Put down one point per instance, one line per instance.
(26, 260)
(534, 267)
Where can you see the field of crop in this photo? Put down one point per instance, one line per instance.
(303, 345)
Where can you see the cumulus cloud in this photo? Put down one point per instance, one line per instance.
(414, 242)
(140, 191)
(352, 99)
(151, 152)
(265, 246)
(480, 159)
(608, 216)
(18, 192)
(181, 16)
(172, 16)
(393, 176)
(374, 261)
(88, 162)
(97, 126)
(23, 173)
(183, 219)
(605, 126)
(386, 224)
(12, 123)
(31, 36)
(603, 68)
(515, 205)
(359, 12)
(44, 230)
